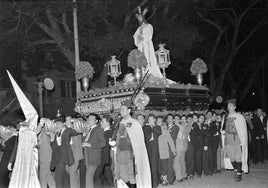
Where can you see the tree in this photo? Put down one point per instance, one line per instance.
(235, 22)
(105, 27)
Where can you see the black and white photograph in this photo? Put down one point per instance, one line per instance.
(133, 93)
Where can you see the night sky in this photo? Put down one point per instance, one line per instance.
(230, 36)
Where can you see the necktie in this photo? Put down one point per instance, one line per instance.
(59, 133)
(88, 134)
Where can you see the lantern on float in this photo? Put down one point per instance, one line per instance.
(163, 59)
(114, 68)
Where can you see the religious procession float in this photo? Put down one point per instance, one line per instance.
(149, 93)
(149, 89)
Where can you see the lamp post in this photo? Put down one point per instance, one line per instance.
(114, 68)
(40, 97)
(76, 46)
(163, 59)
(49, 85)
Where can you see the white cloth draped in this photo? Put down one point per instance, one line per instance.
(143, 176)
(143, 40)
(24, 174)
(241, 127)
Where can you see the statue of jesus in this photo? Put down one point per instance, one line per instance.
(143, 41)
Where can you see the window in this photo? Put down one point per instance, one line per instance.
(68, 89)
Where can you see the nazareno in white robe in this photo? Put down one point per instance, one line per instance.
(24, 173)
(146, 46)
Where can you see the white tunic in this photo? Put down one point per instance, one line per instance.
(145, 45)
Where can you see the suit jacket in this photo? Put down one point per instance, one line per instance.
(64, 152)
(174, 132)
(182, 139)
(215, 135)
(77, 147)
(8, 150)
(93, 154)
(164, 143)
(14, 152)
(148, 131)
(105, 151)
(259, 126)
(45, 150)
(206, 136)
(195, 136)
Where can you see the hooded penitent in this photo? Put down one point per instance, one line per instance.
(24, 173)
(27, 108)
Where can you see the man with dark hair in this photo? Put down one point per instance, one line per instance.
(236, 143)
(151, 134)
(173, 130)
(260, 124)
(76, 146)
(7, 146)
(206, 145)
(103, 175)
(141, 119)
(194, 151)
(215, 140)
(190, 162)
(62, 153)
(93, 142)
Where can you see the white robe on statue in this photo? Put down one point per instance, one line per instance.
(135, 133)
(24, 173)
(145, 45)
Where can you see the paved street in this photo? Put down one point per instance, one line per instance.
(257, 177)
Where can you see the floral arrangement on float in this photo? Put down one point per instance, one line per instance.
(137, 60)
(198, 68)
(84, 71)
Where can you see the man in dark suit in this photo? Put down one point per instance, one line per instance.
(151, 133)
(103, 175)
(62, 153)
(260, 125)
(173, 130)
(92, 144)
(215, 140)
(7, 147)
(76, 145)
(194, 152)
(45, 155)
(206, 145)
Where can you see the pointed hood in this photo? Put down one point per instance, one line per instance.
(29, 111)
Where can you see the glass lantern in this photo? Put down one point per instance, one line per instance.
(163, 59)
(114, 68)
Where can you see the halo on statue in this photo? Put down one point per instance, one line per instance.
(48, 83)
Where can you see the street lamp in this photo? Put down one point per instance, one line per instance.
(49, 85)
(114, 68)
(163, 59)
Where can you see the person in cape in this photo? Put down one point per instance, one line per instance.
(236, 141)
(25, 169)
(143, 40)
(131, 163)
